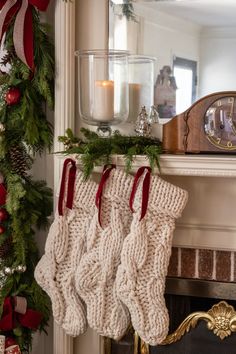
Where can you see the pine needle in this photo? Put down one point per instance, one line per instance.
(95, 150)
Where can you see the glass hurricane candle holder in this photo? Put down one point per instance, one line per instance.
(141, 84)
(103, 87)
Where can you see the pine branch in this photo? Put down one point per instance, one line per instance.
(95, 150)
(129, 158)
(25, 129)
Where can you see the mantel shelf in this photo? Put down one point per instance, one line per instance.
(186, 165)
(199, 165)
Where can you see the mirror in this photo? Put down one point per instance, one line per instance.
(194, 42)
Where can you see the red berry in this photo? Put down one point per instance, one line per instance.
(3, 215)
(2, 229)
(12, 96)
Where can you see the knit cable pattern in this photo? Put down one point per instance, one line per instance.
(95, 276)
(64, 248)
(145, 256)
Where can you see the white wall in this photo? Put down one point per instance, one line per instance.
(217, 58)
(164, 36)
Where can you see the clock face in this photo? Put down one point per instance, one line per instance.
(220, 123)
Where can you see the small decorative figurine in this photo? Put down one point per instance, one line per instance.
(153, 116)
(143, 128)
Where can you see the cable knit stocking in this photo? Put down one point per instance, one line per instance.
(145, 255)
(95, 276)
(64, 248)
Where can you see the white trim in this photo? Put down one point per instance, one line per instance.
(181, 165)
(64, 111)
(206, 236)
(199, 165)
(65, 73)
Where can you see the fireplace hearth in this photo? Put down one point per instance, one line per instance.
(184, 297)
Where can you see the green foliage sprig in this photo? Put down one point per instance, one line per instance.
(96, 150)
(24, 131)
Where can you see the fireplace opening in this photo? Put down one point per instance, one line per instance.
(183, 298)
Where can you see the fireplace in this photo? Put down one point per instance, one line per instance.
(197, 281)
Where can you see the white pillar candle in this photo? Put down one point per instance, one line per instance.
(134, 101)
(103, 100)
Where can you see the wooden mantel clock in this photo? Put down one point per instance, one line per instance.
(208, 126)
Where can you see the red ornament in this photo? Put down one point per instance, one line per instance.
(10, 341)
(3, 215)
(12, 96)
(2, 229)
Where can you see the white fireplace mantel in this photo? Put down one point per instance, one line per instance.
(199, 165)
(179, 165)
(183, 165)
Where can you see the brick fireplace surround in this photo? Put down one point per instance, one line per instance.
(204, 264)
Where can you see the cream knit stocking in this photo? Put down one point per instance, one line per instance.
(95, 276)
(64, 248)
(145, 257)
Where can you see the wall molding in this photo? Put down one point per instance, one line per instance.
(206, 236)
(219, 32)
(64, 112)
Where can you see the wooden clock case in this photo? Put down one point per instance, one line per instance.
(185, 132)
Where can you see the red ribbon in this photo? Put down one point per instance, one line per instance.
(3, 194)
(145, 191)
(70, 186)
(10, 319)
(105, 175)
(23, 26)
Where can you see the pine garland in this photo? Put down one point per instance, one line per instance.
(95, 150)
(25, 131)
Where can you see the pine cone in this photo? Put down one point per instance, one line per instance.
(20, 161)
(5, 248)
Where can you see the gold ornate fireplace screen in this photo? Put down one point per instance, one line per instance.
(220, 319)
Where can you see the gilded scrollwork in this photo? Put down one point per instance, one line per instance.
(144, 347)
(136, 343)
(221, 319)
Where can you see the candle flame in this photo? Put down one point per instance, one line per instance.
(105, 83)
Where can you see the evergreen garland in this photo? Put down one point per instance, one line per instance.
(95, 150)
(24, 131)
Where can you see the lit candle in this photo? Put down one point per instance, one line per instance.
(104, 100)
(134, 101)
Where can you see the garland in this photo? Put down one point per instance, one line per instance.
(26, 84)
(96, 151)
